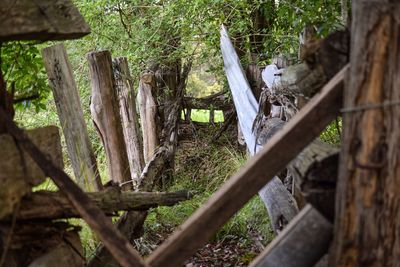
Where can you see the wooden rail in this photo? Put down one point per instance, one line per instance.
(275, 155)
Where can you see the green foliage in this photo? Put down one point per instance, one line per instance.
(23, 72)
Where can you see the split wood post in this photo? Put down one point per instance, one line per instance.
(130, 121)
(368, 202)
(105, 114)
(70, 113)
(148, 114)
(294, 137)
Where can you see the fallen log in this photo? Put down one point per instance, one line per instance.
(301, 244)
(314, 170)
(45, 205)
(322, 60)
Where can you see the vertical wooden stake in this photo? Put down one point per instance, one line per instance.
(148, 115)
(130, 122)
(368, 201)
(71, 117)
(105, 114)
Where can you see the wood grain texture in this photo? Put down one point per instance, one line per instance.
(105, 113)
(301, 244)
(41, 20)
(148, 115)
(46, 205)
(18, 170)
(294, 137)
(115, 242)
(70, 113)
(368, 202)
(130, 120)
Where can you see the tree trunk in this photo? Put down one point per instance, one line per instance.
(105, 114)
(130, 122)
(148, 115)
(71, 118)
(368, 202)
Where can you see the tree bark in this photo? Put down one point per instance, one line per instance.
(70, 113)
(46, 205)
(41, 20)
(130, 121)
(105, 114)
(148, 115)
(368, 202)
(298, 245)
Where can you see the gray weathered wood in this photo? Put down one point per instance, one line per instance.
(106, 117)
(115, 242)
(70, 113)
(280, 204)
(148, 115)
(301, 244)
(18, 171)
(130, 121)
(131, 223)
(46, 205)
(259, 170)
(40, 20)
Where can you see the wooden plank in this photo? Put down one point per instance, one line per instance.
(276, 154)
(301, 244)
(130, 121)
(70, 113)
(18, 171)
(106, 117)
(40, 20)
(47, 205)
(115, 242)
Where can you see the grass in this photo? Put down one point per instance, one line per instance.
(203, 115)
(203, 168)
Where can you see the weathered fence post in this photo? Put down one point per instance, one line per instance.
(70, 113)
(368, 202)
(130, 122)
(148, 114)
(105, 114)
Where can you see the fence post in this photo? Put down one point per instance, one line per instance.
(70, 112)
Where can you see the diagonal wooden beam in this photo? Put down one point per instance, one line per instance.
(301, 244)
(276, 154)
(115, 242)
